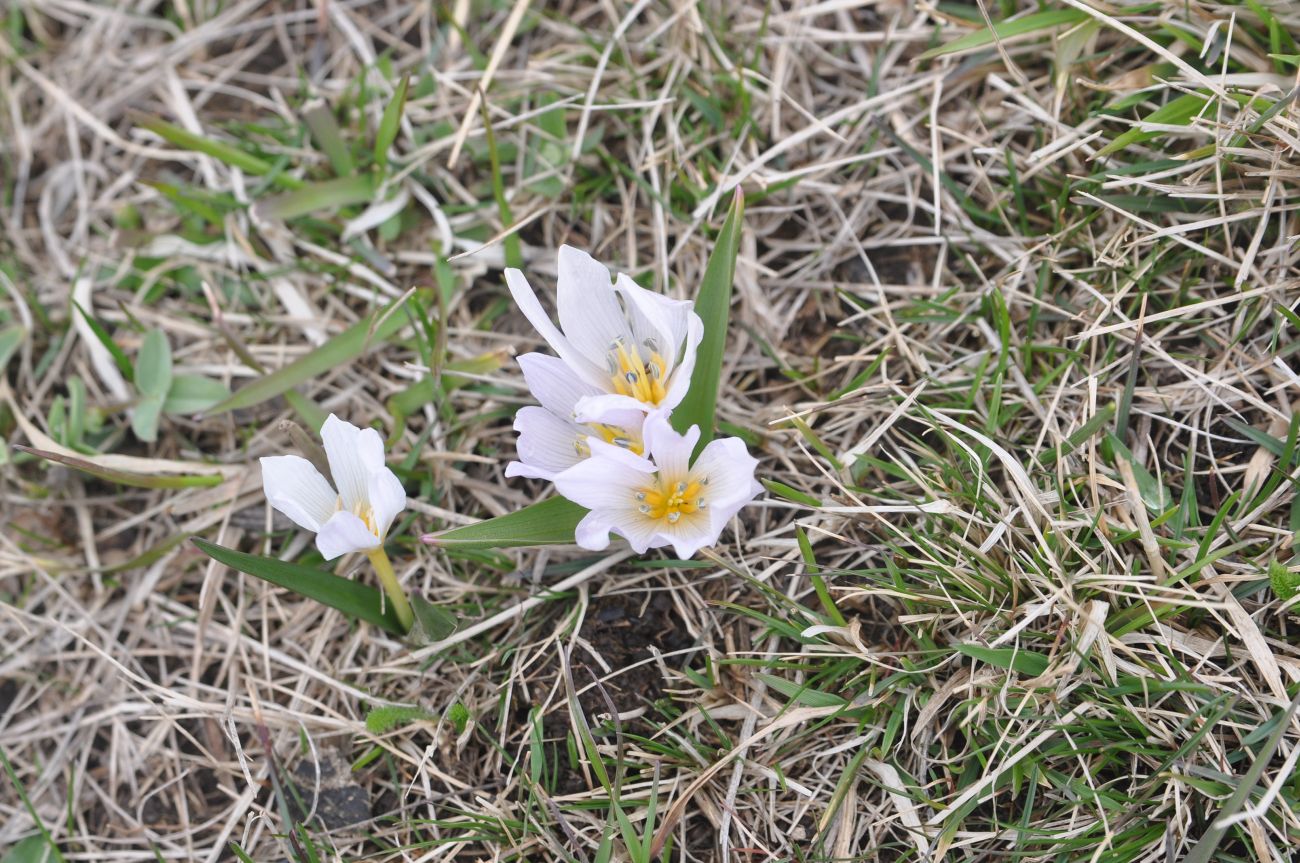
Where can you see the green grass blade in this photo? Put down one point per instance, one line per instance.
(153, 367)
(219, 150)
(1008, 29)
(343, 348)
(548, 522)
(329, 138)
(713, 304)
(354, 599)
(1177, 112)
(1026, 662)
(10, 339)
(125, 477)
(325, 195)
(389, 123)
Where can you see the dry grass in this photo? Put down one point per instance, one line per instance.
(947, 302)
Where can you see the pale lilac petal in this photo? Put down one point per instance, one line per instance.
(589, 311)
(546, 443)
(594, 409)
(680, 382)
(670, 451)
(296, 488)
(353, 454)
(387, 498)
(532, 309)
(554, 384)
(343, 533)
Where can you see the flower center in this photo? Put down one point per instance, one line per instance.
(670, 502)
(642, 379)
(616, 435)
(364, 511)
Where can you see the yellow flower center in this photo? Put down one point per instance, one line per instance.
(616, 435)
(642, 379)
(362, 510)
(672, 501)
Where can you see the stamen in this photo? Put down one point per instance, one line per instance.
(673, 516)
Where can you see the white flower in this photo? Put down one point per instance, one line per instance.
(635, 348)
(663, 499)
(550, 438)
(369, 496)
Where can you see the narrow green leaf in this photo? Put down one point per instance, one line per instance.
(1079, 436)
(193, 393)
(354, 599)
(33, 849)
(327, 135)
(145, 416)
(548, 522)
(126, 477)
(1154, 494)
(325, 195)
(389, 123)
(1176, 112)
(219, 150)
(153, 367)
(1007, 29)
(780, 489)
(1025, 662)
(10, 339)
(713, 305)
(120, 358)
(343, 348)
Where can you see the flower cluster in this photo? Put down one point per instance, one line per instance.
(625, 356)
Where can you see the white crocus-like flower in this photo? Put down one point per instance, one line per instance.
(551, 440)
(369, 496)
(661, 498)
(634, 348)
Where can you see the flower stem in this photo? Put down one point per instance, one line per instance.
(384, 569)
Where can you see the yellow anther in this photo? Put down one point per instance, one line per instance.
(635, 377)
(683, 499)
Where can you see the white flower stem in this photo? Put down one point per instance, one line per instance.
(384, 569)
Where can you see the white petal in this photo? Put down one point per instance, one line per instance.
(592, 532)
(652, 316)
(729, 469)
(670, 451)
(344, 532)
(532, 309)
(387, 498)
(298, 490)
(602, 483)
(626, 457)
(602, 408)
(553, 383)
(589, 311)
(638, 530)
(353, 454)
(680, 381)
(690, 534)
(546, 442)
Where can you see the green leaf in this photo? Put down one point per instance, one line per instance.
(354, 599)
(1155, 496)
(1025, 662)
(119, 357)
(126, 477)
(10, 339)
(432, 622)
(219, 150)
(1286, 584)
(381, 720)
(389, 123)
(548, 522)
(342, 349)
(713, 305)
(193, 393)
(145, 416)
(327, 135)
(325, 195)
(33, 849)
(1008, 29)
(153, 367)
(1176, 112)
